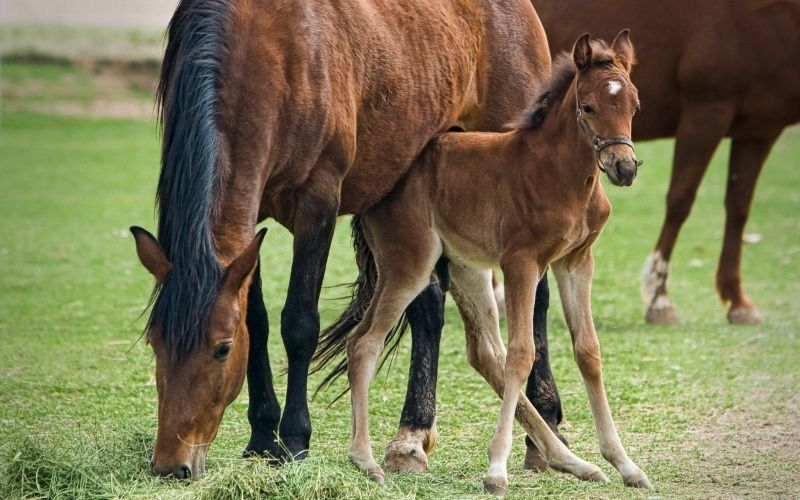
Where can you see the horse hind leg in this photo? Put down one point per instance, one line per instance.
(472, 291)
(746, 161)
(541, 389)
(416, 436)
(702, 126)
(404, 267)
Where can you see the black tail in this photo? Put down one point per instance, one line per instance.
(333, 340)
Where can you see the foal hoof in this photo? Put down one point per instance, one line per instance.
(638, 481)
(597, 476)
(745, 316)
(377, 476)
(662, 314)
(495, 485)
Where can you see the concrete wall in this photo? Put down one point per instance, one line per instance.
(149, 14)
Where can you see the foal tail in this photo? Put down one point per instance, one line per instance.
(333, 340)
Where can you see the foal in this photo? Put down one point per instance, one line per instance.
(523, 200)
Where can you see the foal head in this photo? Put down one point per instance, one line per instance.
(197, 375)
(606, 101)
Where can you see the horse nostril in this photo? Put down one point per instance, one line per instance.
(184, 472)
(152, 467)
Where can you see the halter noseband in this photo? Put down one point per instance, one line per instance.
(600, 144)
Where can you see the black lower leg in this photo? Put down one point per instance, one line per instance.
(426, 317)
(541, 389)
(263, 410)
(300, 328)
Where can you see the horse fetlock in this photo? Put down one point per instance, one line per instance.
(534, 460)
(261, 446)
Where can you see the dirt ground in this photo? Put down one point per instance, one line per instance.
(734, 445)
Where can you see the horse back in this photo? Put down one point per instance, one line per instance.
(349, 92)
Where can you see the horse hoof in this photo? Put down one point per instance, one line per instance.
(638, 481)
(534, 460)
(598, 477)
(377, 476)
(663, 315)
(745, 316)
(267, 450)
(495, 485)
(294, 448)
(405, 457)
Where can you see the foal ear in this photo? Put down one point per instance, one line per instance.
(243, 265)
(150, 253)
(623, 49)
(582, 52)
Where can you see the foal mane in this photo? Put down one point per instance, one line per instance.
(561, 77)
(189, 181)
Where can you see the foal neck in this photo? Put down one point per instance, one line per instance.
(562, 146)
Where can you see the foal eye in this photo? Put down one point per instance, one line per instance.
(587, 109)
(222, 351)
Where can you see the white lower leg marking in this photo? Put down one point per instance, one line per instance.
(654, 275)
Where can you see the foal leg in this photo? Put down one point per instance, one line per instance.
(541, 388)
(263, 411)
(416, 436)
(702, 126)
(747, 159)
(403, 271)
(473, 294)
(575, 286)
(313, 224)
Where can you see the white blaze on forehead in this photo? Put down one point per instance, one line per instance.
(614, 87)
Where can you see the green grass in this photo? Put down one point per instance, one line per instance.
(700, 407)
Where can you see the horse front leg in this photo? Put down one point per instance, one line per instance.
(575, 286)
(747, 159)
(541, 389)
(263, 410)
(416, 435)
(702, 126)
(313, 224)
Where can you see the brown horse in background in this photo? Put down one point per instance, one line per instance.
(299, 111)
(709, 69)
(522, 200)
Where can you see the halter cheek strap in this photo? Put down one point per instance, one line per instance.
(600, 144)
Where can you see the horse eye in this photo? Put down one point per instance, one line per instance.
(222, 351)
(587, 109)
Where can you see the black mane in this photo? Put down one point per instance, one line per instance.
(187, 186)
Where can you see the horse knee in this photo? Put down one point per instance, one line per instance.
(519, 360)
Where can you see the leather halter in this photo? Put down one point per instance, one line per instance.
(600, 144)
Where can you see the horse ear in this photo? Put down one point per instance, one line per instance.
(243, 265)
(623, 49)
(151, 255)
(582, 52)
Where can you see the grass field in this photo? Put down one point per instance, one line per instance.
(707, 409)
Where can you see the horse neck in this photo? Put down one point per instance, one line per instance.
(563, 147)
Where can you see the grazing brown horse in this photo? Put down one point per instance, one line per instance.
(522, 200)
(709, 69)
(298, 111)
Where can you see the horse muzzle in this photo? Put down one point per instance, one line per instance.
(621, 170)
